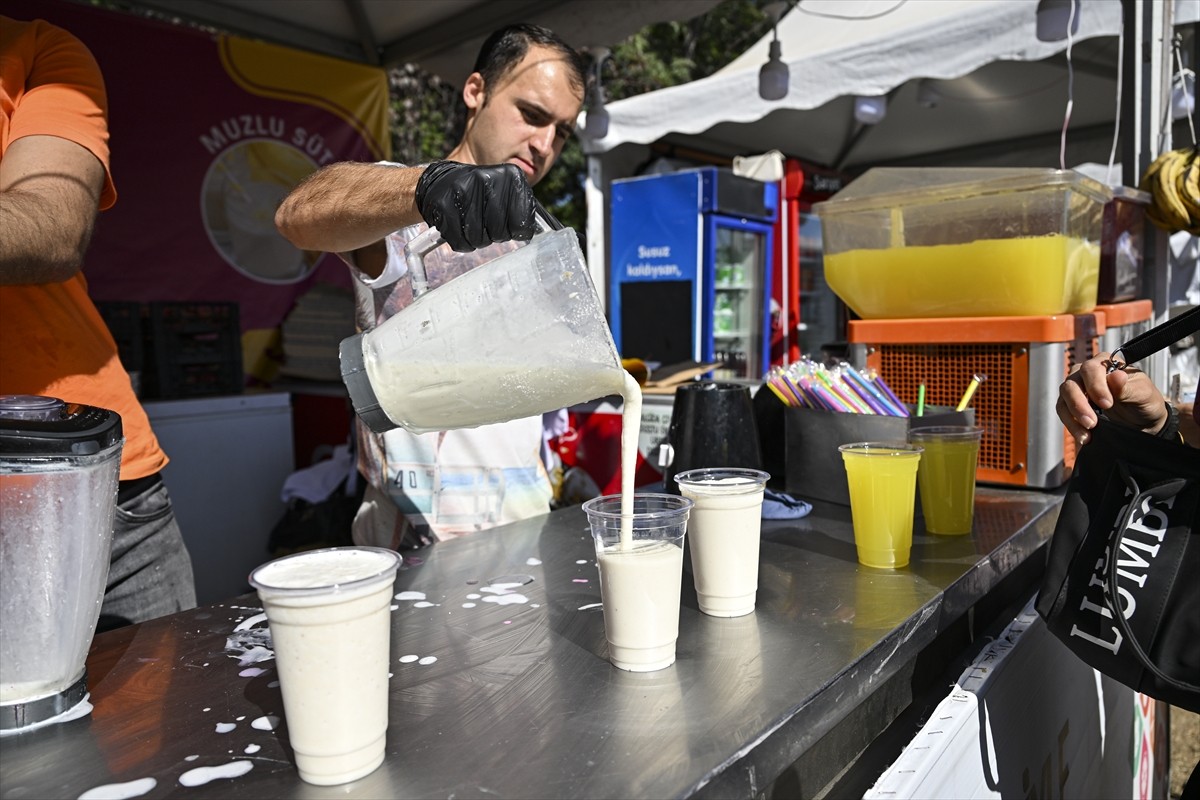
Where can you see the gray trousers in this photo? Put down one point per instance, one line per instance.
(150, 572)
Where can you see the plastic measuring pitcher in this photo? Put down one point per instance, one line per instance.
(520, 335)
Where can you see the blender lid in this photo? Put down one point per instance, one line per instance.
(33, 425)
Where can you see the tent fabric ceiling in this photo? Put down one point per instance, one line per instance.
(443, 36)
(996, 82)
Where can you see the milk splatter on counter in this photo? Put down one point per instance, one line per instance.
(422, 660)
(500, 590)
(506, 599)
(266, 723)
(202, 775)
(225, 727)
(250, 622)
(410, 596)
(120, 791)
(250, 645)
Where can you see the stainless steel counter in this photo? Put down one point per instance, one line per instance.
(521, 700)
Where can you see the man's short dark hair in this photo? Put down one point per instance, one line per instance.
(505, 48)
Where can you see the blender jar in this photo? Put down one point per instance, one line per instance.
(59, 472)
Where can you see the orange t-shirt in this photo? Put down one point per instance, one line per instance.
(52, 340)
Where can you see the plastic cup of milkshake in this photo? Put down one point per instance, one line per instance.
(641, 575)
(723, 535)
(330, 620)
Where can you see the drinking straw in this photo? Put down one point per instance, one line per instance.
(971, 387)
(921, 400)
(812, 400)
(779, 394)
(827, 400)
(857, 405)
(878, 380)
(849, 399)
(870, 398)
(832, 401)
(800, 397)
(859, 383)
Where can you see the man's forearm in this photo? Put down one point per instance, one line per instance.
(346, 206)
(37, 245)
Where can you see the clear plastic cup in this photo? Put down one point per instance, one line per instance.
(328, 611)
(883, 489)
(947, 476)
(724, 536)
(641, 575)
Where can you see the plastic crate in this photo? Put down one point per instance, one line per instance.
(193, 350)
(1024, 358)
(124, 321)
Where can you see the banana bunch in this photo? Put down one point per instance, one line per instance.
(1173, 181)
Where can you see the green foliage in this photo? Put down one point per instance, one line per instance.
(427, 115)
(671, 53)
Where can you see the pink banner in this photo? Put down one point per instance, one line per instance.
(208, 135)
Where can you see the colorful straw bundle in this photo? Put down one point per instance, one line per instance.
(807, 384)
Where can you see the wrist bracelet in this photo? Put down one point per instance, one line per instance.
(1170, 429)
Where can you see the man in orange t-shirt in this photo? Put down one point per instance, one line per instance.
(54, 177)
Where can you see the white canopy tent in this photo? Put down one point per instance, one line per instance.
(978, 54)
(1000, 93)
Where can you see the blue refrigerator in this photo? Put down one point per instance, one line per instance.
(690, 276)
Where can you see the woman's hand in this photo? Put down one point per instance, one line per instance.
(1126, 396)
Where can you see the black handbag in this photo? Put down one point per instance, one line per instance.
(1122, 586)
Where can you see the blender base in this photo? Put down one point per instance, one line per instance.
(15, 716)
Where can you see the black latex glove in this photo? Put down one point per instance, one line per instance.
(474, 206)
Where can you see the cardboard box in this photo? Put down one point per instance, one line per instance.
(814, 468)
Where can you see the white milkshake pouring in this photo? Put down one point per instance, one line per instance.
(631, 426)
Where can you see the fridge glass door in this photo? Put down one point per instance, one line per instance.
(737, 327)
(821, 319)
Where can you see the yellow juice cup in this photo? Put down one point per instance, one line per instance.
(883, 487)
(947, 476)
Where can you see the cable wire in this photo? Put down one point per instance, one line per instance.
(1062, 147)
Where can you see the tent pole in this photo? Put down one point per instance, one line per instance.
(1146, 132)
(594, 198)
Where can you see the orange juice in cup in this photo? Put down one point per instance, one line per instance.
(883, 482)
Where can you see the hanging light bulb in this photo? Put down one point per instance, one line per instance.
(595, 121)
(773, 76)
(870, 110)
